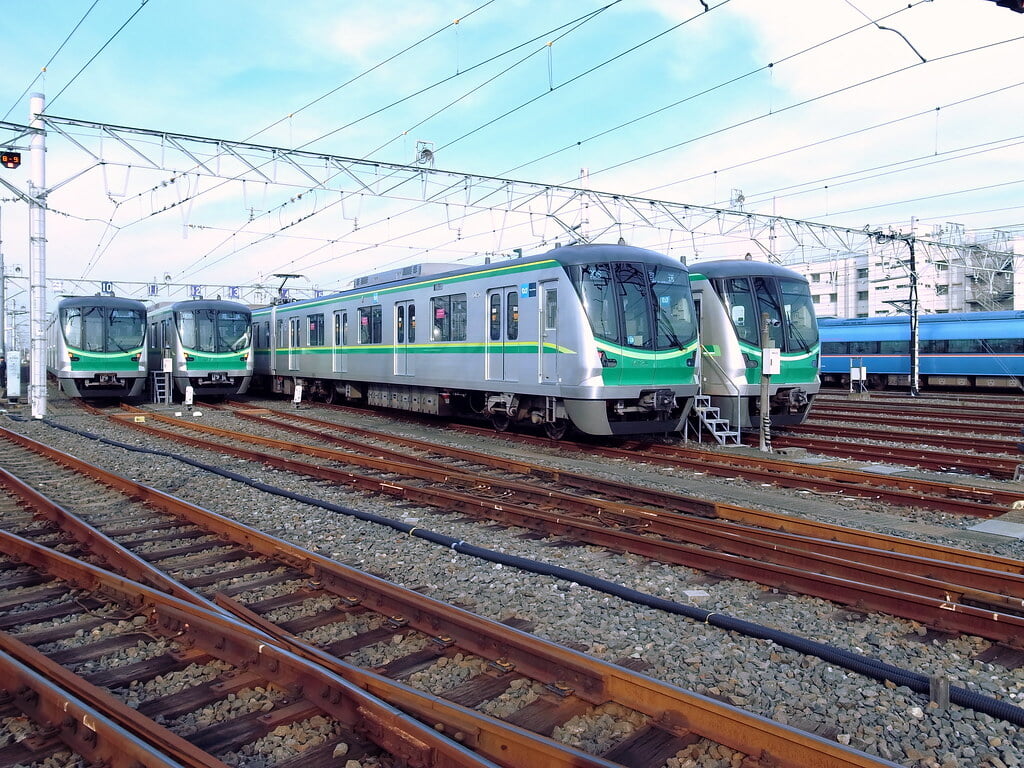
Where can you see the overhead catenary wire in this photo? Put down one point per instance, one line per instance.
(49, 61)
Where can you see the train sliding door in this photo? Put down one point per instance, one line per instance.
(340, 363)
(547, 349)
(502, 333)
(405, 337)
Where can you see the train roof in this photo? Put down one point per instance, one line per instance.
(189, 304)
(100, 301)
(740, 267)
(567, 255)
(952, 325)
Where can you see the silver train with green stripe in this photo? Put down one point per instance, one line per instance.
(732, 299)
(207, 343)
(601, 338)
(96, 347)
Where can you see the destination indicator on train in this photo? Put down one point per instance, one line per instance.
(10, 159)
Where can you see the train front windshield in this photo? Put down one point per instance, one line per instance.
(792, 325)
(211, 330)
(103, 329)
(637, 305)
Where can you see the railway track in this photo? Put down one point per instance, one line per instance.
(261, 578)
(988, 595)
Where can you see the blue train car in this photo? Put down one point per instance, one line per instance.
(968, 350)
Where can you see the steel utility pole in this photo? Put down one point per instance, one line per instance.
(37, 260)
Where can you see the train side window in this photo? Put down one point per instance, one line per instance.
(835, 348)
(449, 317)
(1003, 346)
(494, 317)
(895, 347)
(966, 346)
(863, 347)
(512, 319)
(370, 324)
(934, 346)
(316, 330)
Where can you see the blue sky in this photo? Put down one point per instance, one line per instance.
(724, 120)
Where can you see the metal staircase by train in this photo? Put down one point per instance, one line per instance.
(710, 417)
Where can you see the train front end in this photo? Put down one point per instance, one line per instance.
(742, 304)
(212, 353)
(639, 355)
(97, 347)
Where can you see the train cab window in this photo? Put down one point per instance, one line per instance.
(211, 330)
(512, 316)
(449, 317)
(739, 300)
(801, 323)
(673, 302)
(594, 285)
(316, 330)
(635, 301)
(103, 329)
(370, 324)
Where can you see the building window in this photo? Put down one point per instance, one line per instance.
(833, 297)
(862, 295)
(941, 267)
(815, 277)
(862, 273)
(941, 290)
(816, 299)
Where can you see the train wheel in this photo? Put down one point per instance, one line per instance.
(330, 395)
(500, 421)
(556, 429)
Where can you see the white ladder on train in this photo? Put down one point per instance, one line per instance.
(711, 417)
(161, 387)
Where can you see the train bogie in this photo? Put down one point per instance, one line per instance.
(599, 337)
(744, 307)
(205, 344)
(96, 347)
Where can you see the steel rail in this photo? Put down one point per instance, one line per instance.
(227, 638)
(926, 600)
(675, 710)
(85, 730)
(663, 500)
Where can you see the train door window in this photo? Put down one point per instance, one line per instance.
(337, 330)
(411, 318)
(494, 317)
(279, 333)
(316, 330)
(400, 324)
(370, 324)
(512, 316)
(266, 333)
(634, 298)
